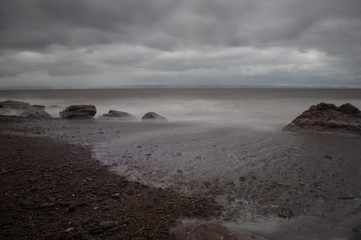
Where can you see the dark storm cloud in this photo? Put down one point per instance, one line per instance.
(159, 38)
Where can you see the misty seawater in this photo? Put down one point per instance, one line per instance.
(225, 144)
(257, 107)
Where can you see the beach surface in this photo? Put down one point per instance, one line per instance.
(279, 185)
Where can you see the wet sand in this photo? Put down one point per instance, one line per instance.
(54, 190)
(278, 184)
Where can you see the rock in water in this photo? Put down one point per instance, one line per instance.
(38, 107)
(35, 114)
(113, 114)
(209, 231)
(79, 112)
(23, 109)
(328, 118)
(14, 104)
(153, 116)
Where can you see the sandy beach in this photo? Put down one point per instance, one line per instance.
(272, 183)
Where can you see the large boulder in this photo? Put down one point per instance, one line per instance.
(209, 231)
(153, 116)
(79, 112)
(23, 109)
(328, 118)
(14, 104)
(35, 114)
(119, 115)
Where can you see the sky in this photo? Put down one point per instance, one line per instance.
(179, 43)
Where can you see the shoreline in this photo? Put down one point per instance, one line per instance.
(274, 184)
(56, 190)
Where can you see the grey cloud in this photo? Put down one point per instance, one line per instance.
(87, 37)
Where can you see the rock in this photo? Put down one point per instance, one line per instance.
(5, 111)
(96, 230)
(47, 205)
(69, 229)
(153, 116)
(79, 112)
(107, 224)
(327, 118)
(209, 231)
(113, 114)
(17, 108)
(72, 207)
(27, 204)
(348, 108)
(38, 107)
(35, 114)
(14, 104)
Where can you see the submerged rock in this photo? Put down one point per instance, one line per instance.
(79, 112)
(328, 118)
(153, 116)
(114, 114)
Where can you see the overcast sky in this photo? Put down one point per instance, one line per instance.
(125, 43)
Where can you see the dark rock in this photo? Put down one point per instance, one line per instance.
(38, 107)
(14, 104)
(72, 207)
(348, 109)
(153, 116)
(113, 114)
(35, 114)
(328, 118)
(79, 112)
(96, 230)
(47, 205)
(27, 204)
(17, 108)
(107, 224)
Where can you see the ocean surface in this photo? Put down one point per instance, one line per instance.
(266, 108)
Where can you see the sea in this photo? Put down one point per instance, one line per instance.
(265, 108)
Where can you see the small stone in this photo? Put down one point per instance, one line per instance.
(47, 205)
(70, 229)
(148, 154)
(27, 204)
(96, 230)
(179, 171)
(115, 195)
(107, 224)
(72, 207)
(112, 229)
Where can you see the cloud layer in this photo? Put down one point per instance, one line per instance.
(122, 43)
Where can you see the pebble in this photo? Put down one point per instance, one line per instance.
(27, 204)
(115, 195)
(72, 207)
(107, 224)
(47, 205)
(70, 229)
